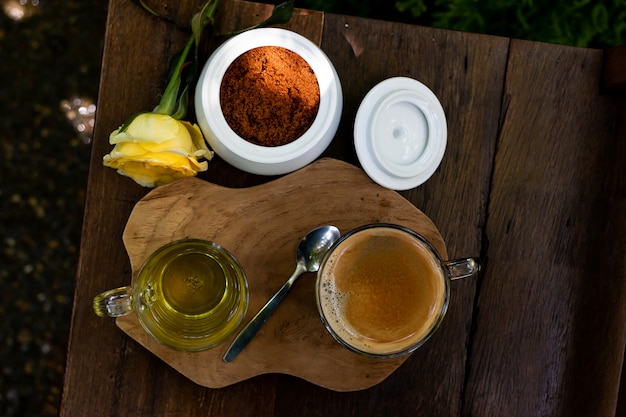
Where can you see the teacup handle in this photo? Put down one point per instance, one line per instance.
(462, 268)
(113, 303)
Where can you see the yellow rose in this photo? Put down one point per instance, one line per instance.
(156, 149)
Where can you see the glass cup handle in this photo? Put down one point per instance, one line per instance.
(462, 268)
(113, 303)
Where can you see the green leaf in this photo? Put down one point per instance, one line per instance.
(143, 5)
(415, 7)
(168, 103)
(181, 105)
(189, 67)
(619, 28)
(600, 18)
(204, 18)
(522, 19)
(280, 14)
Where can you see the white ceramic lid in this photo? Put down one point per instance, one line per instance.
(400, 133)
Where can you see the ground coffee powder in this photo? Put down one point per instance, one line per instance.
(269, 96)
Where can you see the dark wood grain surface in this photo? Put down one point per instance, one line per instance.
(532, 182)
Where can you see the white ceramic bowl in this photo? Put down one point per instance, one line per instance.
(266, 160)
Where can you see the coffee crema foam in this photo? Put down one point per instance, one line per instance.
(382, 291)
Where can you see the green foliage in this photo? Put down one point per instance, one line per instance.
(598, 23)
(376, 9)
(415, 7)
(587, 23)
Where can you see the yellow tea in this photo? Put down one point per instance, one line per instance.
(189, 295)
(193, 283)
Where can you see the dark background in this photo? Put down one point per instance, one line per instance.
(50, 54)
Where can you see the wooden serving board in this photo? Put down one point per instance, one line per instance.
(262, 226)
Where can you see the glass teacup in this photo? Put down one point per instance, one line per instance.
(382, 290)
(189, 295)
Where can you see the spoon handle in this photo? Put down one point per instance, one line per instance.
(252, 328)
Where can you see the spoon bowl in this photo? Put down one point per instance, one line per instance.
(309, 255)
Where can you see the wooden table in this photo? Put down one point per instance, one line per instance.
(532, 182)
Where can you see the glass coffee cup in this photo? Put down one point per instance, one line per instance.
(382, 290)
(189, 295)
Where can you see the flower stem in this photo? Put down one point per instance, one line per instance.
(168, 103)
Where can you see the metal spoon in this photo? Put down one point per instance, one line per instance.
(309, 254)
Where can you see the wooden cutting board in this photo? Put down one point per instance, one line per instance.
(262, 226)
